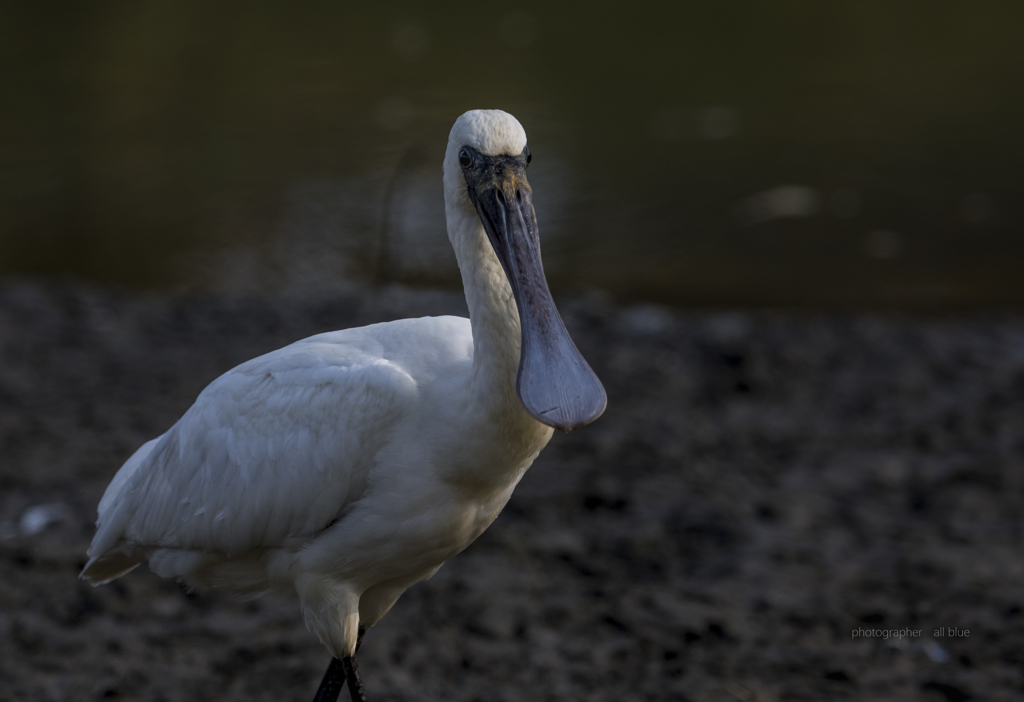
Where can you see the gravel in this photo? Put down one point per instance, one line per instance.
(762, 486)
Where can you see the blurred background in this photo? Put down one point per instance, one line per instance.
(842, 154)
(186, 185)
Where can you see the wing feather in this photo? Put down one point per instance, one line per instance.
(271, 451)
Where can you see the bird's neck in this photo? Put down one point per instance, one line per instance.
(492, 312)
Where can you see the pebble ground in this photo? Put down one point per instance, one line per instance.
(761, 486)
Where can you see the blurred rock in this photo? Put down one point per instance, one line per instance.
(36, 519)
(782, 202)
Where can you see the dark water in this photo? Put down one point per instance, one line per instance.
(862, 154)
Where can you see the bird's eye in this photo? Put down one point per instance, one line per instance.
(529, 156)
(464, 158)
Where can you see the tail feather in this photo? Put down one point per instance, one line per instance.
(111, 557)
(109, 566)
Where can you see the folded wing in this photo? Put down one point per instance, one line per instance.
(270, 453)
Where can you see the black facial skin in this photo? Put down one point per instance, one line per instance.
(555, 383)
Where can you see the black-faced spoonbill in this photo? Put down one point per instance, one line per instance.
(350, 465)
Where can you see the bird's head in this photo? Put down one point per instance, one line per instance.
(485, 175)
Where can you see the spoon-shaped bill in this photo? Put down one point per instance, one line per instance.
(555, 383)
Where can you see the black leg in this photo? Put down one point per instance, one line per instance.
(336, 675)
(330, 686)
(355, 685)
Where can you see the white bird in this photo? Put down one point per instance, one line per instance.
(348, 466)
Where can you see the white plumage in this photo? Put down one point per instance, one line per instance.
(347, 466)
